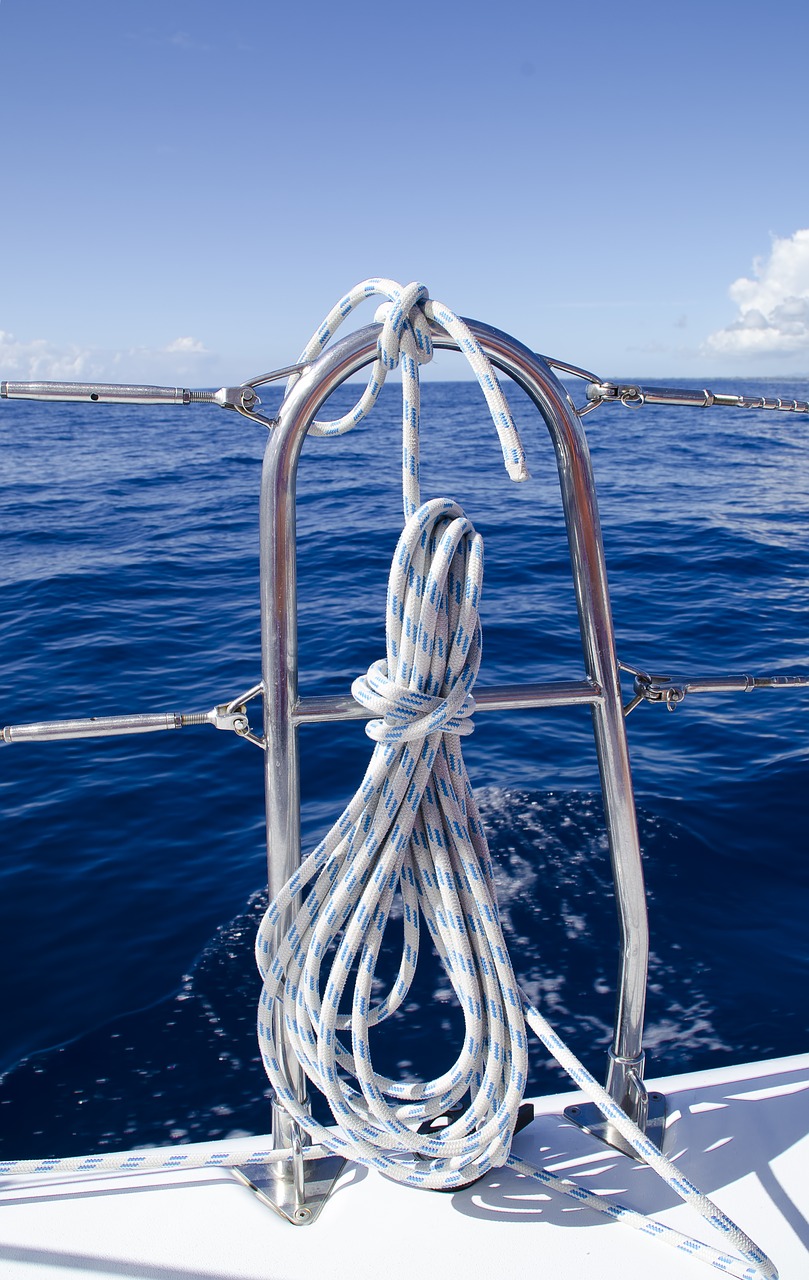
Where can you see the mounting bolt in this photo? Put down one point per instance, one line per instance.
(240, 724)
(302, 1214)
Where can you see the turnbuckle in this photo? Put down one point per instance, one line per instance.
(243, 399)
(228, 715)
(233, 715)
(656, 688)
(633, 396)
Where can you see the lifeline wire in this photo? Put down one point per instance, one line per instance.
(413, 831)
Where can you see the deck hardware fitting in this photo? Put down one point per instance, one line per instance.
(298, 1198)
(588, 1117)
(648, 687)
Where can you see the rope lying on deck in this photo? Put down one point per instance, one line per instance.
(412, 833)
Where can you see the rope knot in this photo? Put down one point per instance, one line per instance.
(406, 713)
(405, 327)
(424, 683)
(406, 340)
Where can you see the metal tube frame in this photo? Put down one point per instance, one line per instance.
(283, 711)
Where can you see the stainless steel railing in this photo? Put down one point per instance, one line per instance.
(282, 706)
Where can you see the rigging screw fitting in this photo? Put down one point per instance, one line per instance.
(243, 397)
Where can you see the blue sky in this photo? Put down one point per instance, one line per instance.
(189, 184)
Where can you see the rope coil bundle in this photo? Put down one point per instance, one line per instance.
(413, 829)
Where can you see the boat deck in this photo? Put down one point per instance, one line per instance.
(740, 1133)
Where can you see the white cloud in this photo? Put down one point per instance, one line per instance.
(186, 344)
(773, 307)
(183, 359)
(41, 360)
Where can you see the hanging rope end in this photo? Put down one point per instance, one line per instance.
(517, 471)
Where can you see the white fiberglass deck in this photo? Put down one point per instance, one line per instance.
(741, 1133)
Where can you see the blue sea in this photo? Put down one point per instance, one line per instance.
(132, 867)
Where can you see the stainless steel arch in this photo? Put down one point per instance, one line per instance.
(283, 711)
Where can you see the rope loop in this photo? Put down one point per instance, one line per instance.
(433, 631)
(404, 326)
(406, 340)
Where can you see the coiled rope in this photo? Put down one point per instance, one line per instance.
(411, 829)
(412, 832)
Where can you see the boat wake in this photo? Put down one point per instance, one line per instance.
(187, 1069)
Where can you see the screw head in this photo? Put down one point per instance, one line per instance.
(302, 1215)
(240, 724)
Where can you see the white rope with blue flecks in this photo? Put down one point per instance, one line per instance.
(413, 831)
(406, 340)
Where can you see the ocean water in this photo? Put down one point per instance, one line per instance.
(132, 868)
